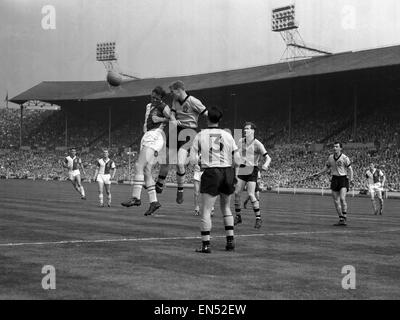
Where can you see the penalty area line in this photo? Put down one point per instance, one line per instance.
(299, 233)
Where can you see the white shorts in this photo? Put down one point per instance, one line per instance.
(376, 187)
(197, 175)
(153, 139)
(104, 178)
(72, 174)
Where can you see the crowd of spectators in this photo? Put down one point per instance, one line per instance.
(290, 166)
(291, 163)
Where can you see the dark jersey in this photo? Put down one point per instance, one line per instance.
(154, 109)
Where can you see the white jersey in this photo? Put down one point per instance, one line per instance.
(72, 163)
(105, 166)
(374, 177)
(338, 165)
(252, 151)
(216, 147)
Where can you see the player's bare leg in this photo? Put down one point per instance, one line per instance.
(145, 156)
(80, 186)
(374, 207)
(108, 193)
(151, 189)
(75, 185)
(238, 190)
(196, 195)
(339, 209)
(251, 187)
(246, 202)
(225, 203)
(100, 185)
(380, 200)
(208, 202)
(343, 201)
(180, 173)
(162, 175)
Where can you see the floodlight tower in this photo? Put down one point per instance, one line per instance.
(105, 52)
(284, 22)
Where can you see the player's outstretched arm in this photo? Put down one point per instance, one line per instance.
(237, 159)
(96, 172)
(113, 171)
(167, 116)
(65, 163)
(351, 176)
(83, 169)
(266, 163)
(383, 180)
(325, 170)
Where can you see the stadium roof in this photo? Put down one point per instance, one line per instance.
(61, 91)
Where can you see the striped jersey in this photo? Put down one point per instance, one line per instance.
(251, 151)
(188, 111)
(216, 147)
(105, 166)
(374, 176)
(73, 163)
(338, 165)
(154, 109)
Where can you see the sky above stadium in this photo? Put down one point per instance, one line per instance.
(55, 40)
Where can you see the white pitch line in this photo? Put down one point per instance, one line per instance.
(194, 237)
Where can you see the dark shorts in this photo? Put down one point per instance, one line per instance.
(252, 177)
(179, 143)
(215, 181)
(339, 182)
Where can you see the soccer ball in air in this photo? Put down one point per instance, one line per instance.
(114, 78)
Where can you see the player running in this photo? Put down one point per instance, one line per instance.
(157, 116)
(105, 172)
(187, 110)
(219, 152)
(252, 150)
(339, 166)
(74, 163)
(375, 182)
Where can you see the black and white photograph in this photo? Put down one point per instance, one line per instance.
(200, 156)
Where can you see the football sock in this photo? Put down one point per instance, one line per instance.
(161, 181)
(101, 198)
(152, 193)
(228, 222)
(205, 238)
(180, 179)
(138, 182)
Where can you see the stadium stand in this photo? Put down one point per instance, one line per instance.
(291, 162)
(350, 97)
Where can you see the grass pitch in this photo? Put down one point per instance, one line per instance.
(118, 253)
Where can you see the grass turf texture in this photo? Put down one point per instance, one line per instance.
(117, 253)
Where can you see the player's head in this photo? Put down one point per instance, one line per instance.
(105, 153)
(72, 151)
(249, 129)
(214, 115)
(157, 94)
(177, 89)
(337, 147)
(372, 166)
